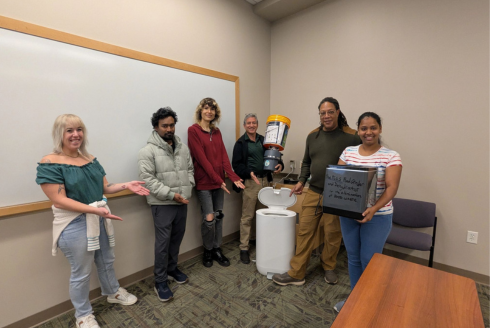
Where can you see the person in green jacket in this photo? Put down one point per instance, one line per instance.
(165, 164)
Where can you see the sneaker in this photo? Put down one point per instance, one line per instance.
(330, 277)
(244, 257)
(285, 279)
(220, 258)
(164, 293)
(207, 258)
(122, 297)
(87, 321)
(178, 276)
(339, 306)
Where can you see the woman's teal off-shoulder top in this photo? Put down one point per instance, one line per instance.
(82, 183)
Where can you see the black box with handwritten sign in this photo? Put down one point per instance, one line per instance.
(349, 189)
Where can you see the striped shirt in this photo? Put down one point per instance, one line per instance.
(381, 159)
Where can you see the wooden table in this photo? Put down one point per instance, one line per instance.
(396, 293)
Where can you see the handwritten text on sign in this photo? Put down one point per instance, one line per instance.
(344, 188)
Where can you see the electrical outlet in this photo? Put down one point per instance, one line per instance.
(292, 165)
(472, 237)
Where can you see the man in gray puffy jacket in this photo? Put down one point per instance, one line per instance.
(165, 164)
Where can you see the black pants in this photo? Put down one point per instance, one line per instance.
(170, 223)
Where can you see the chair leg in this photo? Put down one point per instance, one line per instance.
(431, 257)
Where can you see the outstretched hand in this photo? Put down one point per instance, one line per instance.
(223, 186)
(239, 184)
(137, 188)
(103, 212)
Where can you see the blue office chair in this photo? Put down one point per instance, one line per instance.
(413, 214)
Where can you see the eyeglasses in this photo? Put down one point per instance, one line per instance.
(329, 113)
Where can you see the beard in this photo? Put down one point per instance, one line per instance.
(168, 137)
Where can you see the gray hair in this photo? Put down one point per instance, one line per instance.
(247, 116)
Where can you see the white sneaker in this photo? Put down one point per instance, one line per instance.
(87, 321)
(122, 297)
(339, 306)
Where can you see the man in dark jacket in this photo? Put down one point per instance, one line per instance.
(248, 163)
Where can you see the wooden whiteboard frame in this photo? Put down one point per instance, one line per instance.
(47, 33)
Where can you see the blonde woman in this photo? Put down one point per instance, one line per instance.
(210, 164)
(75, 183)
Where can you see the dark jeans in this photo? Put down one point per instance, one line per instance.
(211, 202)
(169, 223)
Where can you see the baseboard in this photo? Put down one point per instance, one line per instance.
(66, 306)
(478, 277)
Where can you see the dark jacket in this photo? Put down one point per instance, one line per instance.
(240, 158)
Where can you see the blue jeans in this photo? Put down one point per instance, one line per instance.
(73, 243)
(362, 240)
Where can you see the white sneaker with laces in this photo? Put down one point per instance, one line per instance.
(122, 297)
(87, 321)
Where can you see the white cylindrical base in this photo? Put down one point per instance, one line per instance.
(276, 235)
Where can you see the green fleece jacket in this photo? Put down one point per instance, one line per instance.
(166, 172)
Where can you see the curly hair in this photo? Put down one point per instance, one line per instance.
(212, 104)
(162, 113)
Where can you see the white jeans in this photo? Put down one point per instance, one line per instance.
(73, 243)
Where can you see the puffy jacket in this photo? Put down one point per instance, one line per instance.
(166, 172)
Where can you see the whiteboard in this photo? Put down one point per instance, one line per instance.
(115, 96)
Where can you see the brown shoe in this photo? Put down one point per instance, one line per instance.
(285, 279)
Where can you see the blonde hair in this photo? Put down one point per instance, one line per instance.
(211, 103)
(59, 127)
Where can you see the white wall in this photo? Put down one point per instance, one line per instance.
(424, 67)
(223, 35)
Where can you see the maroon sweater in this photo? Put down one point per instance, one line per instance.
(209, 158)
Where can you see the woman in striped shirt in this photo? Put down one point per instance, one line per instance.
(365, 237)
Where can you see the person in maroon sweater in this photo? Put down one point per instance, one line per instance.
(210, 164)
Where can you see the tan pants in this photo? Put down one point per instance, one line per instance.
(308, 224)
(249, 205)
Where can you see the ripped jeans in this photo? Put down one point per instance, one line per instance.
(211, 231)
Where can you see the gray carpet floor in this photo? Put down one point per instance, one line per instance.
(236, 296)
